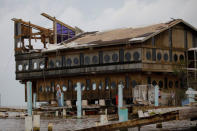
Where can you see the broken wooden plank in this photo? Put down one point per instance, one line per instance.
(136, 122)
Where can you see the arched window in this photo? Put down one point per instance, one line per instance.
(64, 88)
(181, 57)
(53, 86)
(154, 83)
(128, 56)
(70, 84)
(41, 65)
(35, 66)
(51, 64)
(69, 62)
(87, 60)
(76, 61)
(95, 59)
(20, 67)
(115, 57)
(161, 84)
(166, 57)
(88, 84)
(94, 86)
(127, 81)
(159, 56)
(113, 85)
(107, 58)
(175, 57)
(170, 84)
(177, 84)
(40, 89)
(26, 67)
(83, 87)
(58, 63)
(107, 84)
(136, 56)
(100, 85)
(75, 87)
(148, 55)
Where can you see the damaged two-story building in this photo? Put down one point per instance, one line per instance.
(101, 60)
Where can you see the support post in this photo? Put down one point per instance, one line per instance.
(50, 127)
(64, 113)
(120, 95)
(36, 122)
(156, 95)
(56, 113)
(79, 107)
(29, 98)
(34, 102)
(28, 123)
(121, 111)
(62, 99)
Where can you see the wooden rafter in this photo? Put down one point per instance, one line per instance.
(32, 25)
(58, 21)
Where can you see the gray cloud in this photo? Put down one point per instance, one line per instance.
(88, 15)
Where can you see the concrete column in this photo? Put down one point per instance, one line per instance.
(79, 100)
(64, 112)
(191, 95)
(156, 95)
(28, 123)
(105, 111)
(29, 98)
(36, 122)
(84, 112)
(103, 119)
(62, 99)
(50, 127)
(120, 95)
(34, 98)
(56, 113)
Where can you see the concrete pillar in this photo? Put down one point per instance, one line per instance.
(120, 99)
(36, 122)
(105, 111)
(79, 100)
(56, 113)
(28, 123)
(64, 112)
(34, 100)
(84, 112)
(120, 95)
(191, 95)
(62, 99)
(29, 98)
(156, 95)
(103, 119)
(123, 114)
(50, 127)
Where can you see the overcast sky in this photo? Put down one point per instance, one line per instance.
(89, 15)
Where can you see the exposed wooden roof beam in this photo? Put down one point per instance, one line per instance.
(32, 25)
(58, 21)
